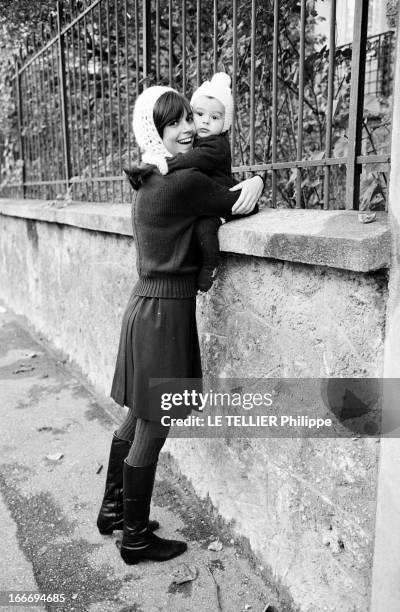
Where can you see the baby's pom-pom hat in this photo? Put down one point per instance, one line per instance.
(219, 88)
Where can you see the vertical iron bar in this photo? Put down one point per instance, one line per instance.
(252, 78)
(146, 41)
(88, 110)
(38, 120)
(329, 106)
(158, 41)
(48, 73)
(275, 101)
(30, 123)
(184, 25)
(356, 103)
(71, 97)
(127, 109)
(63, 96)
(110, 95)
(47, 152)
(234, 74)
(170, 43)
(301, 101)
(215, 36)
(198, 43)
(103, 123)
(137, 47)
(81, 119)
(20, 118)
(75, 110)
(95, 105)
(118, 96)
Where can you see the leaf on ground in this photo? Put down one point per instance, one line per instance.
(366, 217)
(216, 545)
(55, 456)
(185, 573)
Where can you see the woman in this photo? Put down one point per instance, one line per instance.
(159, 333)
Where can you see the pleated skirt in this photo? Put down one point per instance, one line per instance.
(158, 340)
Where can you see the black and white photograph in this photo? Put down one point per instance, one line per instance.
(200, 305)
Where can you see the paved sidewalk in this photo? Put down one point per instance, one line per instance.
(48, 506)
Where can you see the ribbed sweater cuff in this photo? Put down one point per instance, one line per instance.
(166, 287)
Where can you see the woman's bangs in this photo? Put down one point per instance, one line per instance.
(169, 107)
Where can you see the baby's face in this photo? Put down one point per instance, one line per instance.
(208, 116)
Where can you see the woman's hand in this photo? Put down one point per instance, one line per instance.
(251, 191)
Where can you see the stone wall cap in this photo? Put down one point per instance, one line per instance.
(333, 238)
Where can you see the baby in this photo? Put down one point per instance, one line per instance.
(212, 105)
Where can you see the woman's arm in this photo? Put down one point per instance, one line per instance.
(206, 197)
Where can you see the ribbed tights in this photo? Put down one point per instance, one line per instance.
(148, 439)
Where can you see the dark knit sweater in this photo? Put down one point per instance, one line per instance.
(163, 215)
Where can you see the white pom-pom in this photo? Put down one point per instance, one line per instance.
(221, 79)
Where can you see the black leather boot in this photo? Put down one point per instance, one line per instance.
(111, 515)
(138, 542)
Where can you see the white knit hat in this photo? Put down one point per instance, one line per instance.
(220, 88)
(147, 137)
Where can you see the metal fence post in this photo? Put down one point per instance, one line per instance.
(356, 103)
(20, 126)
(146, 40)
(63, 96)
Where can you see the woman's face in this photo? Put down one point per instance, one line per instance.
(178, 135)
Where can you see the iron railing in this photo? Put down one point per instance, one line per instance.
(298, 101)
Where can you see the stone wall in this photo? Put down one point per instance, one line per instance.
(297, 295)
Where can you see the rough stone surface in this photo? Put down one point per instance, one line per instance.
(306, 507)
(48, 509)
(332, 238)
(385, 583)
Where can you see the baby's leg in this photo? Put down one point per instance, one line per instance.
(206, 231)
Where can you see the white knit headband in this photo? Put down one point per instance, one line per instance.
(147, 137)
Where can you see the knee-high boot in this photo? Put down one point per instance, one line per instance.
(138, 541)
(111, 515)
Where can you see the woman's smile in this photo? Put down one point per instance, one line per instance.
(178, 135)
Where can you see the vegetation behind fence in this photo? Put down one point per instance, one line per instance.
(302, 114)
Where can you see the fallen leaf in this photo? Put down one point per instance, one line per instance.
(216, 545)
(185, 573)
(366, 217)
(55, 457)
(45, 428)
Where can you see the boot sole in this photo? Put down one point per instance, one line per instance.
(144, 557)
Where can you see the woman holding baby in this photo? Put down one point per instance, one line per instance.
(175, 215)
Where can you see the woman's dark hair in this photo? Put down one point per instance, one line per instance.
(169, 107)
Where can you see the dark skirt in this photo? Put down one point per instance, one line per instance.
(158, 341)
